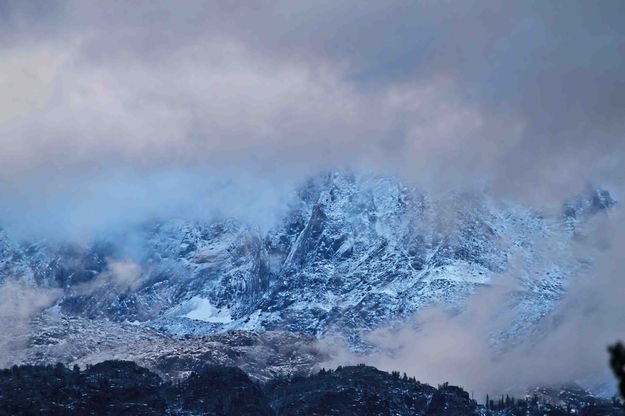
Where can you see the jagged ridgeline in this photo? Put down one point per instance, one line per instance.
(352, 253)
(124, 388)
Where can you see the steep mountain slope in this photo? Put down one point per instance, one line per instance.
(353, 253)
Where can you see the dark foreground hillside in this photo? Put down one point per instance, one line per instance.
(364, 390)
(123, 388)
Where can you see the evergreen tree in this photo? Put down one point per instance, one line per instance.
(59, 370)
(617, 362)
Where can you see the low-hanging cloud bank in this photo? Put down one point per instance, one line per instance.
(526, 99)
(100, 204)
(219, 105)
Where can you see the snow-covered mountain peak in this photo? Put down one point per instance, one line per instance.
(353, 252)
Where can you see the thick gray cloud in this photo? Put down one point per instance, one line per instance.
(527, 97)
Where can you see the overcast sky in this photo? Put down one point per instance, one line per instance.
(526, 98)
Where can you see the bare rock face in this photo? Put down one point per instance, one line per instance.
(264, 355)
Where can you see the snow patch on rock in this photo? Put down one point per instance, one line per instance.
(204, 310)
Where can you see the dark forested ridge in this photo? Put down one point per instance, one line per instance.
(124, 388)
(363, 390)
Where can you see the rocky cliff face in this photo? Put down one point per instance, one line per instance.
(353, 253)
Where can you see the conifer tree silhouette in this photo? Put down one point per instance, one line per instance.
(617, 362)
